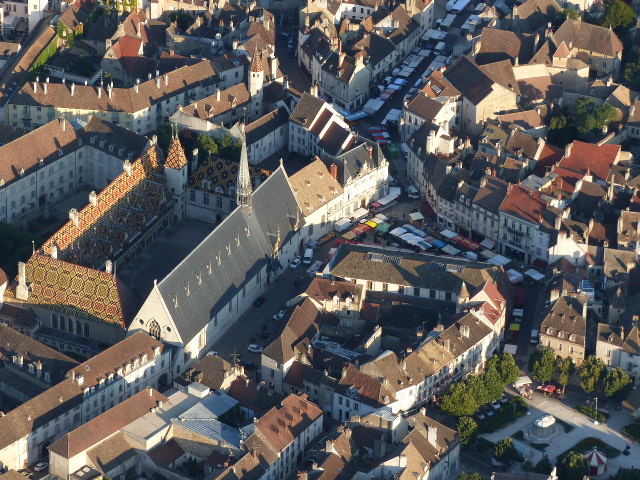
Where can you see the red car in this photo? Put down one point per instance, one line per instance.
(521, 295)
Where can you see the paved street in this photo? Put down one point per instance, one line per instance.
(583, 428)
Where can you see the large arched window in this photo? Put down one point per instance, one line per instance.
(154, 329)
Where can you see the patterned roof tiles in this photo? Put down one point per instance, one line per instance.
(222, 174)
(126, 205)
(176, 158)
(79, 291)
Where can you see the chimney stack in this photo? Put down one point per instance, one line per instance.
(567, 149)
(22, 291)
(334, 171)
(73, 216)
(93, 198)
(158, 82)
(217, 94)
(54, 251)
(73, 88)
(108, 267)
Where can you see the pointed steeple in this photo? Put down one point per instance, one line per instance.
(176, 158)
(256, 61)
(243, 189)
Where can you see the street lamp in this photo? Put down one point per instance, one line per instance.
(595, 413)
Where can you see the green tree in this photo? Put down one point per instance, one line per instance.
(478, 388)
(509, 370)
(619, 16)
(617, 384)
(570, 13)
(565, 370)
(470, 476)
(632, 75)
(207, 143)
(573, 466)
(590, 116)
(505, 451)
(164, 134)
(592, 373)
(467, 429)
(543, 466)
(493, 384)
(229, 147)
(460, 401)
(542, 365)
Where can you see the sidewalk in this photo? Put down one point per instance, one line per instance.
(583, 428)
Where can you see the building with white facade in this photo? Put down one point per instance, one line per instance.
(141, 108)
(56, 160)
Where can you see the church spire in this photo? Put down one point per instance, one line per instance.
(243, 189)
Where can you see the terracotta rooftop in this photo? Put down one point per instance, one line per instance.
(129, 351)
(524, 203)
(98, 429)
(281, 426)
(133, 99)
(598, 159)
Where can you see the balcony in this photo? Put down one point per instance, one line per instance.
(519, 233)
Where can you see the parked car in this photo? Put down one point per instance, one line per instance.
(496, 405)
(480, 415)
(504, 400)
(255, 348)
(265, 334)
(280, 314)
(488, 411)
(259, 301)
(296, 262)
(40, 466)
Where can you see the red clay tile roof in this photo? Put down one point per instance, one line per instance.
(117, 356)
(79, 291)
(3, 277)
(549, 156)
(524, 203)
(176, 158)
(588, 156)
(281, 426)
(95, 431)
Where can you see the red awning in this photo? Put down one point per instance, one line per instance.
(428, 209)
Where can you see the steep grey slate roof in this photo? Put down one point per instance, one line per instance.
(209, 276)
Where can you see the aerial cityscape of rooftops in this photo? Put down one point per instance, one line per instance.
(320, 239)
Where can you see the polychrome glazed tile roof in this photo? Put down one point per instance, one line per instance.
(79, 291)
(176, 158)
(222, 175)
(104, 228)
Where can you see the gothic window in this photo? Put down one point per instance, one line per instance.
(154, 329)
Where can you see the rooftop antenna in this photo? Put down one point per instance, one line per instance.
(235, 357)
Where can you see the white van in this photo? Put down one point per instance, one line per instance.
(404, 148)
(412, 192)
(308, 256)
(534, 337)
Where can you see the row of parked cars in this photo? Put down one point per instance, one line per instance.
(490, 408)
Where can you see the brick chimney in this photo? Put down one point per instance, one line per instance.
(22, 291)
(334, 171)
